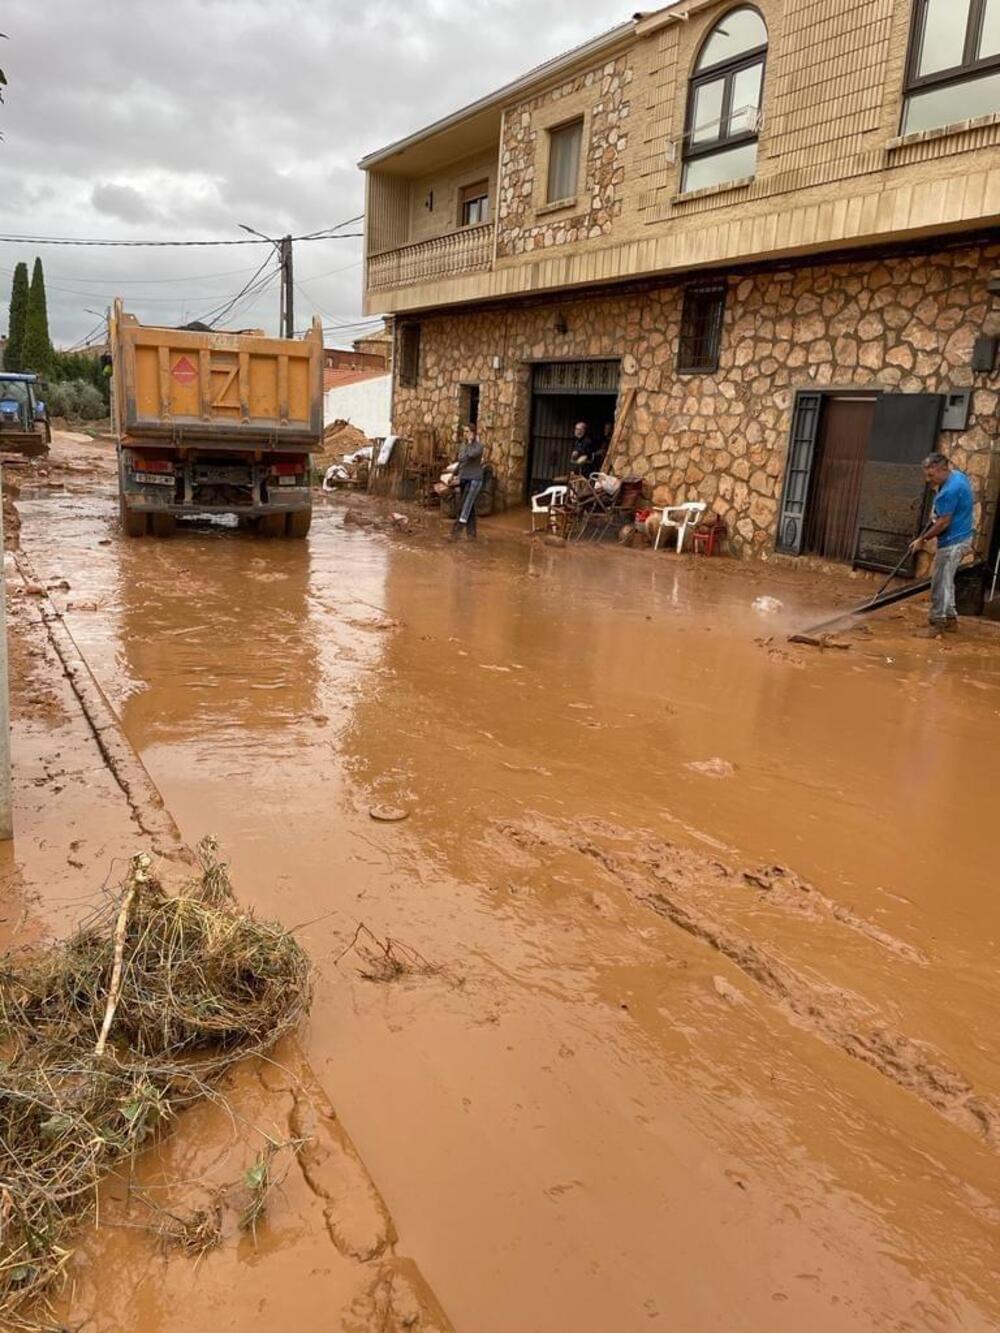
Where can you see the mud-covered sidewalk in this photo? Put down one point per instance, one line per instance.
(672, 1000)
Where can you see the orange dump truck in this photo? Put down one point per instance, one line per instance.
(214, 423)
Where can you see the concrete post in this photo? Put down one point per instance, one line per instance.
(6, 811)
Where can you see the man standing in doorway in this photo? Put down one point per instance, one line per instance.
(584, 452)
(470, 482)
(952, 526)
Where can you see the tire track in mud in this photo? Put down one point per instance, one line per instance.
(668, 880)
(397, 1299)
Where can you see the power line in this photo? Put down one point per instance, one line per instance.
(255, 291)
(148, 282)
(328, 235)
(86, 341)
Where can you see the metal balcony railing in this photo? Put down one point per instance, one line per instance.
(467, 251)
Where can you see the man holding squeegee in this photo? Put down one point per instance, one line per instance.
(951, 524)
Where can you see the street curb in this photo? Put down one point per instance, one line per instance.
(144, 800)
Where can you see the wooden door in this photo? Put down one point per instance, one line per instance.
(832, 511)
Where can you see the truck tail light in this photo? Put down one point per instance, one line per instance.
(152, 464)
(286, 469)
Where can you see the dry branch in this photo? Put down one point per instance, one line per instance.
(175, 989)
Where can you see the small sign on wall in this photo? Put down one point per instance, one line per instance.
(957, 405)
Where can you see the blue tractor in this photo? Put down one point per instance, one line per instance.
(24, 419)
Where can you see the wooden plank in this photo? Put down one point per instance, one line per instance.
(614, 448)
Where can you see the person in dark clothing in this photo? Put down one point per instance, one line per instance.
(470, 481)
(586, 454)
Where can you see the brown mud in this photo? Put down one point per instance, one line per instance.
(695, 1024)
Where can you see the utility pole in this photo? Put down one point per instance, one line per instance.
(286, 301)
(287, 289)
(6, 810)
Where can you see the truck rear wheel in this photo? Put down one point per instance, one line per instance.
(133, 523)
(163, 525)
(298, 523)
(271, 525)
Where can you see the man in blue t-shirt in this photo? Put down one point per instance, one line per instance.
(952, 526)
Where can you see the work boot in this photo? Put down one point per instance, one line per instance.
(456, 530)
(951, 625)
(932, 631)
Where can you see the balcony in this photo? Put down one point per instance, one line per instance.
(467, 251)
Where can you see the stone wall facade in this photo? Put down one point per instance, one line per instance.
(902, 324)
(524, 221)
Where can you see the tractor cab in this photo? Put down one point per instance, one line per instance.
(24, 419)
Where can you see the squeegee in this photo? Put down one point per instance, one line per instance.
(814, 634)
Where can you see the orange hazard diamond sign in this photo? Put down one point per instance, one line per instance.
(184, 372)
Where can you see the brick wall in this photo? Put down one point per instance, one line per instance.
(904, 323)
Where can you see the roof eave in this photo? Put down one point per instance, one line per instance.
(508, 92)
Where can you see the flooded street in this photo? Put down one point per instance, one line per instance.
(694, 1023)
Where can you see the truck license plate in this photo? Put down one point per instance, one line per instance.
(151, 479)
(288, 481)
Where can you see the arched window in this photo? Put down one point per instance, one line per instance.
(724, 101)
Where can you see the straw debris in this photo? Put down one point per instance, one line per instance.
(106, 1036)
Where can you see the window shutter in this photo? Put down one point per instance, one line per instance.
(798, 472)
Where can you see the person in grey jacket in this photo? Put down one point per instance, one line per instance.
(470, 481)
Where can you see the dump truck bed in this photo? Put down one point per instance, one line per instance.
(223, 390)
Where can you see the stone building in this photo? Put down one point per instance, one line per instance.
(761, 239)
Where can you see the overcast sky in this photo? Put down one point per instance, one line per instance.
(180, 119)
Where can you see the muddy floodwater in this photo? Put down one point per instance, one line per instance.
(697, 1024)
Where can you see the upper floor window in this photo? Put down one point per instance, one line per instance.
(954, 66)
(475, 204)
(565, 142)
(723, 118)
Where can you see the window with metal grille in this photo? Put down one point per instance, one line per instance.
(953, 72)
(409, 355)
(565, 142)
(701, 329)
(468, 405)
(474, 204)
(724, 102)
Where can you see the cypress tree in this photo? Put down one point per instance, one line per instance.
(13, 354)
(37, 353)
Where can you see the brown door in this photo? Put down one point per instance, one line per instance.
(832, 518)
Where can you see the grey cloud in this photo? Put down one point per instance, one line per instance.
(228, 111)
(122, 202)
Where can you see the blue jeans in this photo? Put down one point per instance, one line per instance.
(467, 514)
(946, 562)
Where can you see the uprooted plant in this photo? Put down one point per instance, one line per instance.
(106, 1036)
(385, 960)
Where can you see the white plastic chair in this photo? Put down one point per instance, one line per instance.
(680, 517)
(553, 497)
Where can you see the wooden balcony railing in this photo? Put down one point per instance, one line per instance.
(467, 251)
